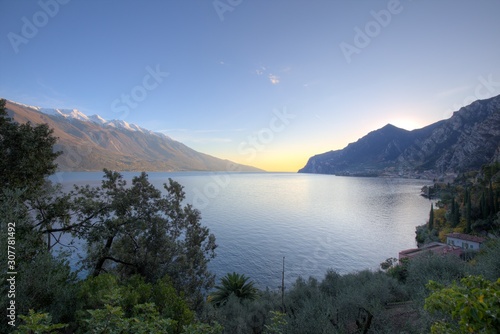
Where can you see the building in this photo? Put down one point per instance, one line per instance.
(456, 244)
(464, 241)
(433, 247)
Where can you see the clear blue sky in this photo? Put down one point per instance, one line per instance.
(265, 83)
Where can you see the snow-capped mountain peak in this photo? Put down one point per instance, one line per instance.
(116, 123)
(96, 119)
(66, 113)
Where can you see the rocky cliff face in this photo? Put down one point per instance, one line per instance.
(467, 140)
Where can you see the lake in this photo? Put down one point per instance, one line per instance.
(317, 222)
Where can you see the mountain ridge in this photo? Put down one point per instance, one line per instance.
(465, 141)
(76, 114)
(90, 143)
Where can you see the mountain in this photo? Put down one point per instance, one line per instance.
(467, 140)
(90, 143)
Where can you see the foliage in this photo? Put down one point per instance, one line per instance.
(112, 319)
(233, 284)
(487, 261)
(344, 303)
(106, 295)
(473, 305)
(471, 203)
(442, 269)
(399, 270)
(138, 230)
(26, 154)
(431, 218)
(170, 304)
(37, 323)
(242, 315)
(389, 263)
(200, 328)
(278, 323)
(44, 282)
(424, 235)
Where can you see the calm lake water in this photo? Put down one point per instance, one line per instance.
(317, 222)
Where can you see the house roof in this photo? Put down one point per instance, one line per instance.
(466, 237)
(434, 247)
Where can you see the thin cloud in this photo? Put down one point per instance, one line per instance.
(260, 70)
(274, 79)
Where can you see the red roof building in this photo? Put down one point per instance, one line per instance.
(433, 247)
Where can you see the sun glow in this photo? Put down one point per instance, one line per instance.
(407, 123)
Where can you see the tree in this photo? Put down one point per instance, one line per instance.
(233, 284)
(278, 323)
(431, 218)
(132, 306)
(26, 153)
(454, 213)
(473, 306)
(468, 211)
(139, 230)
(38, 323)
(44, 282)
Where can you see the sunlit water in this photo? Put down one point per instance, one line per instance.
(317, 222)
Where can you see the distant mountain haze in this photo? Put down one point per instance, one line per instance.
(90, 143)
(467, 140)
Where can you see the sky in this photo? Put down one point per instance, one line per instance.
(259, 82)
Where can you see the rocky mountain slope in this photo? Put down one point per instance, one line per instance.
(465, 141)
(92, 143)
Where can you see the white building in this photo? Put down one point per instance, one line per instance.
(464, 241)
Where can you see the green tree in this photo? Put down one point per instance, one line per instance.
(233, 284)
(468, 211)
(454, 213)
(26, 153)
(278, 323)
(38, 323)
(200, 328)
(473, 305)
(139, 230)
(106, 298)
(44, 281)
(431, 218)
(112, 319)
